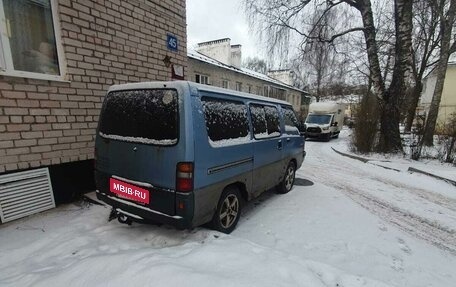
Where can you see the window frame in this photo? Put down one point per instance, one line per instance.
(239, 86)
(7, 67)
(227, 84)
(253, 127)
(200, 78)
(214, 98)
(284, 116)
(206, 78)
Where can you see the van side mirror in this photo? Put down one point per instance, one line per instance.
(334, 124)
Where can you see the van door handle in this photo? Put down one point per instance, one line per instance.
(288, 139)
(279, 145)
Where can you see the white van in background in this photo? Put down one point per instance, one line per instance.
(325, 120)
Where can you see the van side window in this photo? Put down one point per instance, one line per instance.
(225, 120)
(291, 122)
(265, 120)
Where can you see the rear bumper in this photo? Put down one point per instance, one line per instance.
(145, 213)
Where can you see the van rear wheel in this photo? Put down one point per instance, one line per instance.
(288, 180)
(228, 211)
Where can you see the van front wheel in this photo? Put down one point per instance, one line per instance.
(288, 180)
(228, 211)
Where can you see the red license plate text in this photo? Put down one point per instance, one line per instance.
(128, 191)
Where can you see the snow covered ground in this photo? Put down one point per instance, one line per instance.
(345, 223)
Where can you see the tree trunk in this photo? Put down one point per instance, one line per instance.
(370, 35)
(414, 99)
(431, 119)
(450, 149)
(446, 28)
(390, 139)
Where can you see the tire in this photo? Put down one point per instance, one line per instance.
(228, 210)
(336, 136)
(327, 137)
(288, 180)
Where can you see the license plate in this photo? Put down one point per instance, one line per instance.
(129, 191)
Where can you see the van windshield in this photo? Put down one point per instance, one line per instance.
(144, 116)
(318, 119)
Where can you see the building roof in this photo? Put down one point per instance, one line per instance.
(200, 57)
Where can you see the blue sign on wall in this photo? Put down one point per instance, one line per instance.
(171, 42)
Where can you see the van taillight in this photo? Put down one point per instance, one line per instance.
(184, 177)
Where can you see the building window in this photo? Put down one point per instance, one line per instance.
(29, 44)
(259, 91)
(225, 84)
(202, 79)
(249, 88)
(266, 91)
(238, 86)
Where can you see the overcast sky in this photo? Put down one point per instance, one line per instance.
(216, 19)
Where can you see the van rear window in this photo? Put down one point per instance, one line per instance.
(144, 116)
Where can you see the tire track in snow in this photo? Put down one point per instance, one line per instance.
(431, 231)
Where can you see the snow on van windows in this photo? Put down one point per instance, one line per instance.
(145, 116)
(291, 129)
(291, 122)
(266, 135)
(229, 142)
(139, 140)
(266, 122)
(226, 121)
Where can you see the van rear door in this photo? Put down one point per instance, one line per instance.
(138, 144)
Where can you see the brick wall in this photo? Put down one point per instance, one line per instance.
(217, 75)
(104, 42)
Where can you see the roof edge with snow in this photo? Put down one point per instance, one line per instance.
(208, 60)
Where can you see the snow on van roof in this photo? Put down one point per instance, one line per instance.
(200, 87)
(198, 56)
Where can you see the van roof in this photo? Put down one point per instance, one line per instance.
(200, 87)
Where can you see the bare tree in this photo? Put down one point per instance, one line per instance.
(319, 57)
(279, 18)
(256, 64)
(426, 38)
(447, 13)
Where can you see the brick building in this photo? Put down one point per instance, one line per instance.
(218, 63)
(58, 58)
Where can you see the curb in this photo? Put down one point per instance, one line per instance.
(365, 160)
(411, 169)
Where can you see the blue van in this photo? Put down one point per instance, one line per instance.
(187, 154)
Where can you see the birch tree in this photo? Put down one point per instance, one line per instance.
(279, 19)
(426, 39)
(447, 13)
